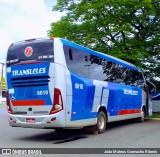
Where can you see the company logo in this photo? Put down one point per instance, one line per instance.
(29, 71)
(28, 51)
(130, 92)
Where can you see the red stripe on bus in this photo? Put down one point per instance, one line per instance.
(28, 102)
(122, 112)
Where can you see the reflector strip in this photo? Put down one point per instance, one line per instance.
(122, 112)
(28, 102)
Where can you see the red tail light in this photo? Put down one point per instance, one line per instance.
(8, 103)
(58, 103)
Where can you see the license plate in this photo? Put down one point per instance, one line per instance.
(30, 120)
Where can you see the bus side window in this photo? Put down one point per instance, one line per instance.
(76, 61)
(140, 80)
(128, 77)
(116, 73)
(96, 70)
(135, 78)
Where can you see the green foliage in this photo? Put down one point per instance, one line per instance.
(129, 30)
(154, 115)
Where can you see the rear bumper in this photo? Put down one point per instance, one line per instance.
(41, 121)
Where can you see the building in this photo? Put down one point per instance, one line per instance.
(156, 102)
(2, 89)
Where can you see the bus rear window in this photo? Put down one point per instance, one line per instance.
(36, 50)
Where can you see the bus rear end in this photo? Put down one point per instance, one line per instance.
(32, 99)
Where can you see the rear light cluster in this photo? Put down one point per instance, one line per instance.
(58, 103)
(8, 103)
(12, 120)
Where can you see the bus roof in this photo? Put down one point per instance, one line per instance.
(87, 50)
(99, 54)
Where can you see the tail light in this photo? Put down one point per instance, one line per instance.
(8, 103)
(58, 103)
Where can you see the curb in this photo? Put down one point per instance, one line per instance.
(153, 119)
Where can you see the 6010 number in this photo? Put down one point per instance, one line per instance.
(42, 92)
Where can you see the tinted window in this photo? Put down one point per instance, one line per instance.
(115, 72)
(3, 94)
(94, 67)
(134, 78)
(41, 51)
(102, 69)
(77, 61)
(138, 79)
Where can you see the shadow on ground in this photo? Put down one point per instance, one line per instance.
(64, 136)
(57, 137)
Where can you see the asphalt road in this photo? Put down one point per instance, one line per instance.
(125, 134)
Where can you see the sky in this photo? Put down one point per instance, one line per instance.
(24, 19)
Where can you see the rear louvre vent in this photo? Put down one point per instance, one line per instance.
(30, 81)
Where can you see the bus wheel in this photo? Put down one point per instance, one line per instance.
(101, 122)
(141, 119)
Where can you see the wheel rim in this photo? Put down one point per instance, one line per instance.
(101, 122)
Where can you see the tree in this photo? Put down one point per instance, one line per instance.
(129, 30)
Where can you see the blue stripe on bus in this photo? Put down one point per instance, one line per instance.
(74, 45)
(82, 99)
(120, 98)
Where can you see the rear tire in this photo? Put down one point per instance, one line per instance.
(101, 122)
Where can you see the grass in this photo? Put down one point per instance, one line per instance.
(154, 115)
(2, 104)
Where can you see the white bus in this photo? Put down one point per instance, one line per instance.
(55, 83)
